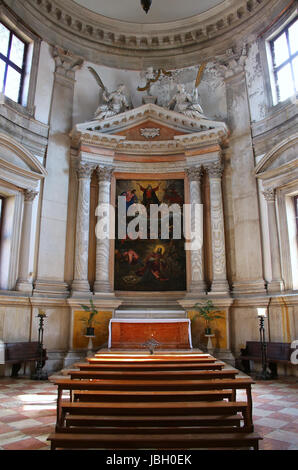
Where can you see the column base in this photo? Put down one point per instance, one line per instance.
(24, 286)
(198, 288)
(249, 287)
(102, 287)
(219, 287)
(80, 288)
(276, 285)
(47, 288)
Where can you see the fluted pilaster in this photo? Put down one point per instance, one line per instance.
(276, 283)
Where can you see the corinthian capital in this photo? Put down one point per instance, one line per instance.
(29, 195)
(269, 194)
(104, 173)
(215, 169)
(84, 170)
(194, 173)
(233, 62)
(66, 62)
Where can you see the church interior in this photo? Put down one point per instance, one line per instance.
(148, 224)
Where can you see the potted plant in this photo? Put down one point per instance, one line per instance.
(208, 313)
(90, 320)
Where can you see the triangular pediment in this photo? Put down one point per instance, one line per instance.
(148, 123)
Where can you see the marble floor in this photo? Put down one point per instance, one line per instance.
(27, 413)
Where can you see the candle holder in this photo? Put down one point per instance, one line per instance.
(39, 374)
(265, 374)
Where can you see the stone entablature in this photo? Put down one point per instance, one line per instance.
(74, 27)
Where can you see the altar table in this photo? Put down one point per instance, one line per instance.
(133, 333)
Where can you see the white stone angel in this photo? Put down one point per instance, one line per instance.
(185, 103)
(115, 102)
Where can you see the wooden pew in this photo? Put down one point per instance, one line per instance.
(152, 367)
(154, 441)
(175, 386)
(166, 407)
(277, 353)
(159, 409)
(153, 375)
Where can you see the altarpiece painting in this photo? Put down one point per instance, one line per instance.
(156, 262)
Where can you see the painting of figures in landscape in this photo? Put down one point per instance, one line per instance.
(153, 261)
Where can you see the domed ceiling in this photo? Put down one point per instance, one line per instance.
(174, 33)
(161, 11)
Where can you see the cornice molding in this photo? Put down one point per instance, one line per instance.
(131, 45)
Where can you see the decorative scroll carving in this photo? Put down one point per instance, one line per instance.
(217, 227)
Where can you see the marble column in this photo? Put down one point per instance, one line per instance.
(244, 233)
(276, 283)
(80, 283)
(24, 282)
(102, 283)
(219, 281)
(54, 212)
(197, 283)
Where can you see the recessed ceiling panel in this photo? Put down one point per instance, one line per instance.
(161, 11)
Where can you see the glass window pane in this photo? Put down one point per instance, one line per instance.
(293, 37)
(13, 82)
(295, 68)
(4, 39)
(281, 52)
(2, 70)
(285, 83)
(17, 51)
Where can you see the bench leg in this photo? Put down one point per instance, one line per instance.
(273, 370)
(15, 369)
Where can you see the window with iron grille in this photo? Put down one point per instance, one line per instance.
(284, 50)
(12, 63)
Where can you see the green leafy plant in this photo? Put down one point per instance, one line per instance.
(207, 312)
(92, 313)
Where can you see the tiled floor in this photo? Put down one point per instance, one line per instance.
(28, 413)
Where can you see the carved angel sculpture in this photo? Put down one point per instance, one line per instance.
(185, 103)
(115, 102)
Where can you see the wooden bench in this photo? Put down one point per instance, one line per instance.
(151, 375)
(165, 404)
(277, 353)
(22, 352)
(160, 409)
(154, 367)
(154, 441)
(136, 386)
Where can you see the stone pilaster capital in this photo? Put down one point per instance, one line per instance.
(194, 173)
(104, 173)
(29, 195)
(84, 170)
(269, 194)
(233, 61)
(215, 169)
(66, 62)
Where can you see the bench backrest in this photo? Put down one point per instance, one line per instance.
(276, 350)
(21, 351)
